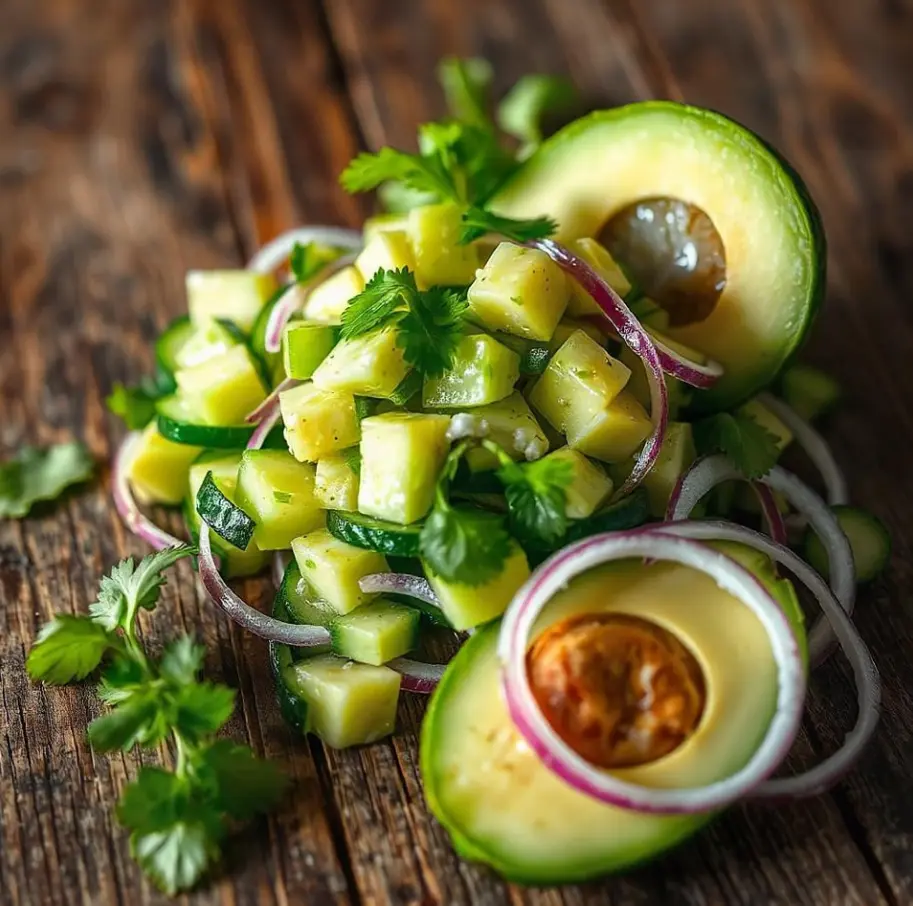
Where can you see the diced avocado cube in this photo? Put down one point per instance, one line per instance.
(679, 394)
(336, 487)
(483, 371)
(579, 382)
(384, 223)
(369, 365)
(223, 389)
(277, 492)
(771, 423)
(675, 456)
(589, 485)
(520, 291)
(401, 456)
(568, 326)
(809, 391)
(388, 250)
(206, 341)
(510, 423)
(159, 469)
(599, 258)
(333, 568)
(376, 632)
(466, 606)
(318, 422)
(434, 231)
(614, 433)
(349, 704)
(304, 347)
(237, 296)
(327, 301)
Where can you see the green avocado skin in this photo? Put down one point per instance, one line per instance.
(710, 401)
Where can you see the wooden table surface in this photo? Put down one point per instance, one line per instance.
(140, 139)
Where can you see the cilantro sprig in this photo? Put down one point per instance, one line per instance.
(429, 323)
(749, 445)
(41, 473)
(177, 818)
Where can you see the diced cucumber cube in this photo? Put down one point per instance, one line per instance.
(384, 223)
(434, 231)
(318, 422)
(336, 487)
(401, 456)
(599, 258)
(579, 382)
(206, 341)
(237, 296)
(369, 365)
(675, 456)
(567, 327)
(327, 301)
(771, 423)
(159, 469)
(510, 423)
(277, 492)
(349, 704)
(223, 389)
(304, 347)
(589, 485)
(612, 434)
(376, 632)
(483, 371)
(333, 568)
(520, 291)
(388, 250)
(466, 606)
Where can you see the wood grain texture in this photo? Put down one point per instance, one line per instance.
(138, 139)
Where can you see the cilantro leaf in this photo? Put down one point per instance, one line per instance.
(478, 222)
(523, 111)
(383, 297)
(129, 587)
(150, 802)
(417, 172)
(68, 648)
(466, 85)
(430, 331)
(244, 784)
(135, 405)
(464, 544)
(182, 660)
(536, 494)
(749, 446)
(176, 857)
(201, 709)
(41, 473)
(137, 719)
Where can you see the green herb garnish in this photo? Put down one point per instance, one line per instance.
(178, 818)
(751, 448)
(307, 260)
(526, 107)
(478, 222)
(41, 473)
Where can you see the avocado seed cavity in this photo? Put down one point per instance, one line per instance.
(673, 252)
(619, 690)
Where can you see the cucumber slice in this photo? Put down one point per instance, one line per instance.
(407, 388)
(177, 423)
(869, 540)
(170, 342)
(305, 346)
(272, 361)
(293, 707)
(376, 633)
(302, 604)
(225, 518)
(809, 391)
(389, 538)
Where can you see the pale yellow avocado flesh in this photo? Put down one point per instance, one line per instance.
(503, 807)
(771, 231)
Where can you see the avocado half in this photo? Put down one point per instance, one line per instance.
(502, 807)
(770, 228)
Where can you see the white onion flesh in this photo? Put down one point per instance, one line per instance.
(276, 252)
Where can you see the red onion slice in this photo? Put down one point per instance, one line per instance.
(635, 337)
(815, 446)
(271, 403)
(248, 617)
(417, 676)
(868, 687)
(399, 584)
(126, 506)
(563, 761)
(686, 370)
(277, 251)
(773, 519)
(710, 471)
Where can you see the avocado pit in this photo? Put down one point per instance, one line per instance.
(619, 690)
(673, 252)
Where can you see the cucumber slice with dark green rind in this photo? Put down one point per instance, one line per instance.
(225, 518)
(375, 534)
(292, 706)
(173, 424)
(170, 342)
(534, 355)
(302, 605)
(407, 388)
(364, 407)
(869, 540)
